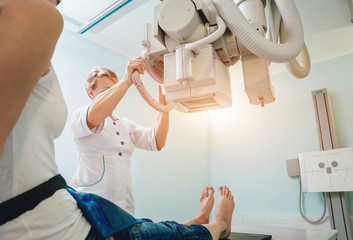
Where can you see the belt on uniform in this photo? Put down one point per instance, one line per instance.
(28, 200)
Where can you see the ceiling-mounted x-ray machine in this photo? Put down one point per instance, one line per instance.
(192, 43)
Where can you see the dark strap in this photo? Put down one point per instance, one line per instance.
(26, 201)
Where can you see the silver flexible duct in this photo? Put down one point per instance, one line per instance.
(254, 41)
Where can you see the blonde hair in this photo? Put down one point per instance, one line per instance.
(98, 72)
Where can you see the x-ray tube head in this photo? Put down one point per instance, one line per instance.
(196, 82)
(179, 19)
(192, 44)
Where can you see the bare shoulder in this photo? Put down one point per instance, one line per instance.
(34, 26)
(25, 12)
(31, 18)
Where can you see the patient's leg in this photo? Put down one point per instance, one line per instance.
(220, 226)
(206, 204)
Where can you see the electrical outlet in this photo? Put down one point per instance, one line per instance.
(327, 171)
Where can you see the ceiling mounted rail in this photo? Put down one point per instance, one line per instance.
(103, 15)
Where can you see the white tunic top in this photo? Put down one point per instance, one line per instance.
(104, 157)
(28, 159)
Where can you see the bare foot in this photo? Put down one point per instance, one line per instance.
(206, 205)
(224, 210)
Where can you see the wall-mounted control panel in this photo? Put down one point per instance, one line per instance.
(327, 171)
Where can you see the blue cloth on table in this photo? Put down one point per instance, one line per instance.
(106, 217)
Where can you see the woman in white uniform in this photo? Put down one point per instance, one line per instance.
(105, 142)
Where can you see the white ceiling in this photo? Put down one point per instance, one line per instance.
(122, 31)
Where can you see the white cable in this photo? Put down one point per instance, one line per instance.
(240, 2)
(300, 206)
(195, 46)
(300, 66)
(254, 41)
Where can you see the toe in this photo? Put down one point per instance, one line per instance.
(220, 190)
(226, 191)
(202, 195)
(206, 192)
(211, 190)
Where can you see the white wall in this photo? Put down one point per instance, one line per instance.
(168, 183)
